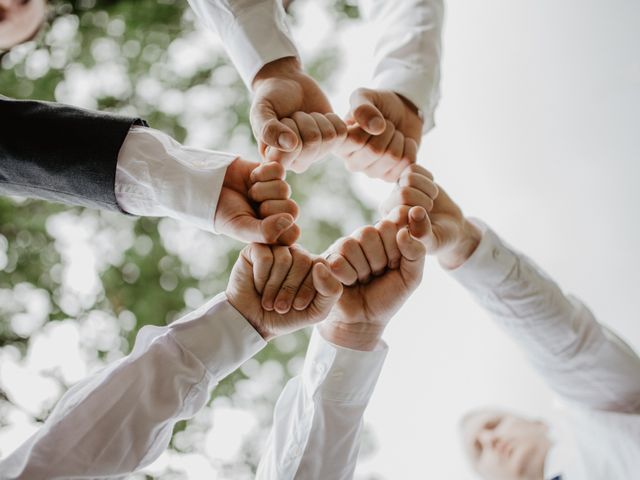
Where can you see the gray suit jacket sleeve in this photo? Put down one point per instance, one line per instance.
(60, 153)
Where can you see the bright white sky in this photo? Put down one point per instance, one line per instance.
(537, 133)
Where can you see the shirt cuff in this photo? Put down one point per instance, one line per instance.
(157, 176)
(341, 374)
(489, 265)
(219, 336)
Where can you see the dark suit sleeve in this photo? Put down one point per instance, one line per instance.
(60, 153)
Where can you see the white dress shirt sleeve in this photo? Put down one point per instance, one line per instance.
(158, 177)
(408, 50)
(318, 418)
(579, 358)
(254, 32)
(121, 419)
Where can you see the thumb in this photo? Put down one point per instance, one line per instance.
(365, 111)
(328, 289)
(251, 229)
(413, 253)
(419, 223)
(271, 131)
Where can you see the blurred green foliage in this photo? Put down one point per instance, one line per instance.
(127, 56)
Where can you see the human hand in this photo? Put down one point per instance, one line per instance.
(285, 273)
(381, 267)
(291, 117)
(254, 204)
(452, 238)
(384, 132)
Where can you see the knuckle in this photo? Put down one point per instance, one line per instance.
(406, 194)
(289, 289)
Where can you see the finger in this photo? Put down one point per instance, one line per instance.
(352, 253)
(413, 253)
(419, 223)
(388, 231)
(365, 112)
(419, 169)
(373, 249)
(305, 294)
(289, 236)
(311, 137)
(420, 182)
(410, 151)
(412, 197)
(399, 215)
(395, 172)
(328, 289)
(281, 264)
(269, 130)
(261, 257)
(301, 266)
(376, 146)
(339, 126)
(282, 157)
(271, 190)
(274, 207)
(355, 140)
(342, 269)
(327, 131)
(267, 171)
(253, 230)
(391, 157)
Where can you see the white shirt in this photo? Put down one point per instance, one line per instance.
(317, 421)
(156, 176)
(121, 419)
(594, 372)
(407, 50)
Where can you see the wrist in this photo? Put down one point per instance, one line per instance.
(463, 248)
(355, 336)
(283, 67)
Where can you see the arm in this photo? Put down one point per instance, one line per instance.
(291, 117)
(79, 157)
(388, 120)
(577, 356)
(318, 418)
(122, 418)
(254, 32)
(317, 421)
(60, 153)
(408, 50)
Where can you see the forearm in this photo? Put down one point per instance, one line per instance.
(158, 177)
(60, 153)
(318, 417)
(122, 418)
(558, 333)
(408, 50)
(254, 33)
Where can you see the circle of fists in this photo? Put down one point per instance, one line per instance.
(364, 277)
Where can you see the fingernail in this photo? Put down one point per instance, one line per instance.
(267, 305)
(323, 272)
(419, 214)
(283, 223)
(282, 306)
(286, 140)
(376, 123)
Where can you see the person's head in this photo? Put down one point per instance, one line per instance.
(20, 20)
(504, 446)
